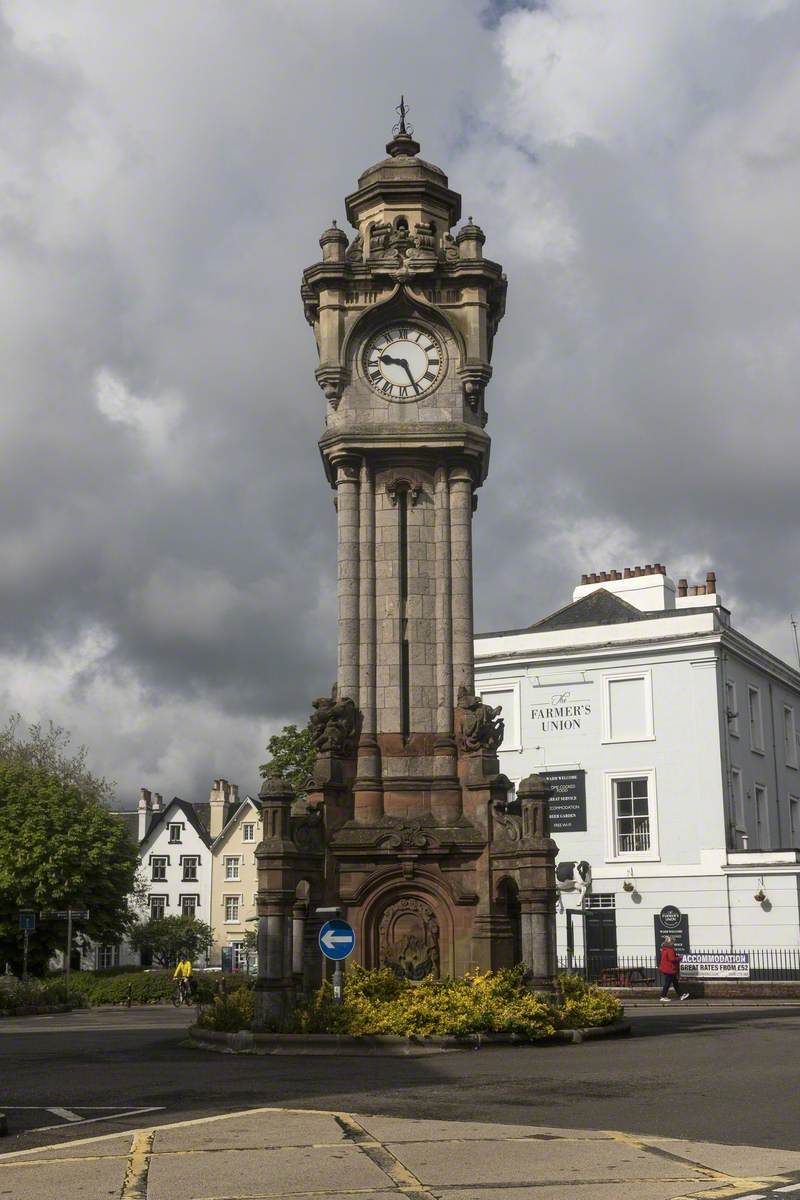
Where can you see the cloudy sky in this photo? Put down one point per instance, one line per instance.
(166, 167)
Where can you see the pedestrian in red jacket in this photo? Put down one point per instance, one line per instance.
(669, 966)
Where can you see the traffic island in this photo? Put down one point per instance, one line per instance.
(383, 1045)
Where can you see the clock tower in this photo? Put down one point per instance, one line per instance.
(416, 842)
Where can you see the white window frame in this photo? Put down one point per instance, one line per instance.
(185, 860)
(160, 862)
(172, 826)
(794, 817)
(189, 896)
(102, 952)
(762, 826)
(514, 689)
(248, 828)
(789, 737)
(226, 900)
(163, 904)
(753, 690)
(737, 807)
(731, 706)
(654, 853)
(646, 675)
(232, 864)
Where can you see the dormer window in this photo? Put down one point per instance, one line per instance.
(175, 832)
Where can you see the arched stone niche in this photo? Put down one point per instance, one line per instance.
(409, 939)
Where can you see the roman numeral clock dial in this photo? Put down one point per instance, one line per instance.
(403, 362)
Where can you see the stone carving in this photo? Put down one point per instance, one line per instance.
(405, 837)
(409, 939)
(333, 723)
(506, 826)
(413, 488)
(355, 251)
(450, 250)
(332, 380)
(307, 828)
(481, 727)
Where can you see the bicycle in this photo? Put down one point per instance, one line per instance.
(182, 993)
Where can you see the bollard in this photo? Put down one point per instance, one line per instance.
(129, 999)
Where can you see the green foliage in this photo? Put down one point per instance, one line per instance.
(585, 1004)
(146, 987)
(168, 938)
(291, 755)
(34, 994)
(229, 1013)
(377, 1002)
(59, 845)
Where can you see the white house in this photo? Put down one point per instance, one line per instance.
(670, 741)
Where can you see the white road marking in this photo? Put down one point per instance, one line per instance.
(66, 1113)
(790, 1187)
(71, 1118)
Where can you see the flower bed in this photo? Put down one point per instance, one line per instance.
(377, 1002)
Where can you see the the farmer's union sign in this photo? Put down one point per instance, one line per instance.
(561, 712)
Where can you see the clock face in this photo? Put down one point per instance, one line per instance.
(403, 361)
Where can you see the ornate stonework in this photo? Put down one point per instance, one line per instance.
(407, 836)
(409, 939)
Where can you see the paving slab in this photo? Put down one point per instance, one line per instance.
(261, 1129)
(555, 1160)
(290, 1154)
(248, 1172)
(82, 1180)
(401, 1129)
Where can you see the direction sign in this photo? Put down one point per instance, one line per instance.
(27, 920)
(76, 914)
(337, 939)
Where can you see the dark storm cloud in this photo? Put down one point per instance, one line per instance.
(168, 538)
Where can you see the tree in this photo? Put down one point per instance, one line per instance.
(167, 938)
(292, 756)
(59, 845)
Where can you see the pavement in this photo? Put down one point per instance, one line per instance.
(283, 1153)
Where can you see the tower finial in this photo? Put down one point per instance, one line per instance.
(400, 126)
(402, 134)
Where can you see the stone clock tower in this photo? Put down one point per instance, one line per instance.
(407, 827)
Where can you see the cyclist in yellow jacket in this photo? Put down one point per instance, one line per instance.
(183, 973)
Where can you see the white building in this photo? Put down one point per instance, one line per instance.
(670, 741)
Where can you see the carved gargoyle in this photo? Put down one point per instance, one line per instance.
(333, 723)
(481, 727)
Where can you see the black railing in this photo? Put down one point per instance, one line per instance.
(767, 964)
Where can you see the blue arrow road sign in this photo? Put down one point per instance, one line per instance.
(337, 939)
(27, 920)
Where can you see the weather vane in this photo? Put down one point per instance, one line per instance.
(400, 126)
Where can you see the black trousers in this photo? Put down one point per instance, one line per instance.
(671, 981)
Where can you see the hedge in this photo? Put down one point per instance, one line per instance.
(377, 1002)
(146, 987)
(34, 994)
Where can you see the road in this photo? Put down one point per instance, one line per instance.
(713, 1074)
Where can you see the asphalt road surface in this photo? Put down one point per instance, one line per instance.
(722, 1075)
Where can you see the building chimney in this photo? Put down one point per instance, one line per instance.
(219, 807)
(144, 813)
(683, 587)
(158, 802)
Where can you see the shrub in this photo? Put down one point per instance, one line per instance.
(34, 994)
(585, 1004)
(147, 987)
(229, 1013)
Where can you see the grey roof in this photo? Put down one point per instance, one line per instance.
(597, 608)
(600, 607)
(192, 815)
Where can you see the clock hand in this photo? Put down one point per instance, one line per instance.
(387, 358)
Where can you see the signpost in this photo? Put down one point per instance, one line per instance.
(27, 923)
(337, 940)
(69, 915)
(567, 805)
(671, 922)
(711, 965)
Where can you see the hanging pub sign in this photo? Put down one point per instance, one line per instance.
(671, 922)
(567, 805)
